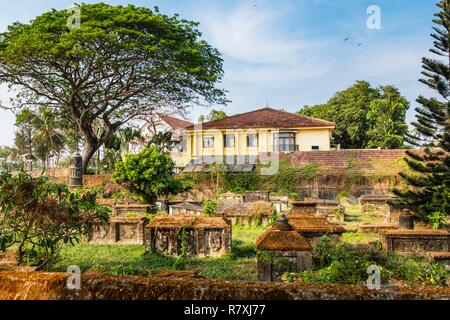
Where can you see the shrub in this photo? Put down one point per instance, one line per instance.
(437, 219)
(150, 174)
(209, 207)
(347, 264)
(37, 216)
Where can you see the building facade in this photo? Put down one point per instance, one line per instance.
(250, 134)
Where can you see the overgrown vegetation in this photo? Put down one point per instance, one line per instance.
(150, 174)
(240, 264)
(345, 263)
(285, 181)
(38, 216)
(209, 207)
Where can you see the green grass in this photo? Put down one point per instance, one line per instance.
(354, 217)
(240, 264)
(353, 237)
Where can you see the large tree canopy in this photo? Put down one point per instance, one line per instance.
(121, 63)
(365, 117)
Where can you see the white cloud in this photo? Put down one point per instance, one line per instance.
(251, 34)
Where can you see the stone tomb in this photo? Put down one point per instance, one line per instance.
(246, 213)
(120, 230)
(190, 235)
(124, 209)
(416, 242)
(303, 207)
(375, 203)
(282, 249)
(310, 225)
(232, 197)
(186, 209)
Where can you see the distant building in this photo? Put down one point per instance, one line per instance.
(249, 134)
(159, 123)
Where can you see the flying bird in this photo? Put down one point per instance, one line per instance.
(346, 39)
(359, 45)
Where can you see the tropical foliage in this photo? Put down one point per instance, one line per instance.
(38, 216)
(149, 175)
(365, 117)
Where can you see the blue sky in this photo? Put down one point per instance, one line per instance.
(290, 53)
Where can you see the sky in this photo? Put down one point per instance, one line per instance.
(286, 53)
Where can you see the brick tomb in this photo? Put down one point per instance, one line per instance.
(119, 230)
(189, 235)
(312, 226)
(426, 242)
(185, 208)
(246, 213)
(282, 249)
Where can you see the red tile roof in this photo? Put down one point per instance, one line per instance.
(175, 123)
(266, 118)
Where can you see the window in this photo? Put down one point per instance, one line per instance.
(208, 142)
(284, 141)
(315, 148)
(252, 140)
(228, 140)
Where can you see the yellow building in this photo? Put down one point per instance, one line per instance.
(248, 135)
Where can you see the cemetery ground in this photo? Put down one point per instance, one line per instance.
(347, 261)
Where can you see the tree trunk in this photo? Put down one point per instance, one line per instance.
(88, 152)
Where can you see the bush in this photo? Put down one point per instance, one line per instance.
(437, 219)
(209, 207)
(240, 182)
(347, 264)
(150, 174)
(38, 216)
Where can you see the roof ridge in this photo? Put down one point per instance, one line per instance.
(239, 114)
(244, 114)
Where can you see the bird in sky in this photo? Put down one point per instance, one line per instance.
(359, 45)
(346, 39)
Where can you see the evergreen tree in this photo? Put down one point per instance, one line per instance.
(428, 192)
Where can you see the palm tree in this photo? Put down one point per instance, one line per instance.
(48, 139)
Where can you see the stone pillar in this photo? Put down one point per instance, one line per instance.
(76, 171)
(406, 220)
(29, 165)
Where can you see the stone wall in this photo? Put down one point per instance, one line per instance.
(97, 286)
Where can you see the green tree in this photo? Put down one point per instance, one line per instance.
(354, 111)
(23, 137)
(149, 175)
(213, 115)
(163, 141)
(5, 152)
(48, 139)
(386, 116)
(121, 63)
(428, 192)
(39, 133)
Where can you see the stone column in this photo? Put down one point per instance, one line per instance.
(76, 171)
(406, 220)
